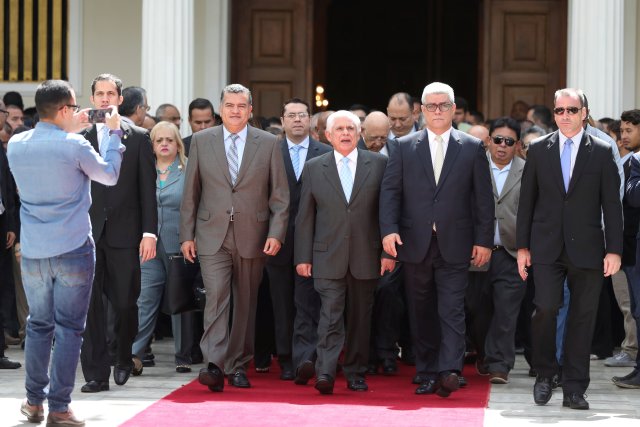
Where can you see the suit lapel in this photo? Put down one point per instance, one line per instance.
(553, 159)
(250, 149)
(217, 143)
(363, 167)
(584, 152)
(92, 137)
(173, 177)
(331, 173)
(423, 152)
(512, 178)
(453, 148)
(314, 150)
(288, 166)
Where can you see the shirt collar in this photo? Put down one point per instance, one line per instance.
(445, 135)
(242, 134)
(353, 156)
(575, 139)
(495, 167)
(303, 144)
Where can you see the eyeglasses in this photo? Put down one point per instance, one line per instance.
(145, 107)
(444, 106)
(75, 108)
(4, 111)
(570, 110)
(292, 116)
(500, 139)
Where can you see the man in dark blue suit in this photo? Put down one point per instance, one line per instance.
(436, 214)
(293, 296)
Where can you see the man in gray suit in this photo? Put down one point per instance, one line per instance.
(338, 243)
(494, 296)
(235, 208)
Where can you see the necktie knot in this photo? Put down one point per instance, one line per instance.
(234, 137)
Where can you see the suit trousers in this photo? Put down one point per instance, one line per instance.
(494, 311)
(585, 286)
(281, 285)
(621, 290)
(118, 277)
(305, 325)
(225, 273)
(435, 300)
(345, 301)
(388, 311)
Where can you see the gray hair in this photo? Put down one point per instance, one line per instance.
(438, 88)
(572, 93)
(236, 88)
(343, 114)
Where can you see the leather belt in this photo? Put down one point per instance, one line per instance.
(497, 248)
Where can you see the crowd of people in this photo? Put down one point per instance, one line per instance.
(345, 241)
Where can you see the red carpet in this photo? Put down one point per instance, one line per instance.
(390, 401)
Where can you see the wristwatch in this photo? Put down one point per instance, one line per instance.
(116, 132)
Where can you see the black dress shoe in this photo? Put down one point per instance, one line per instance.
(542, 391)
(121, 374)
(95, 387)
(305, 372)
(239, 379)
(626, 377)
(575, 401)
(429, 386)
(448, 384)
(357, 384)
(372, 369)
(389, 367)
(324, 384)
(286, 371)
(419, 378)
(5, 363)
(212, 377)
(462, 380)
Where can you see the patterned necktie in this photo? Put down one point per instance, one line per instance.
(295, 160)
(232, 158)
(439, 160)
(565, 163)
(345, 178)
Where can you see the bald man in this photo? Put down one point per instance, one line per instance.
(400, 112)
(482, 133)
(376, 129)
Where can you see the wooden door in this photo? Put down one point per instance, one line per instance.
(523, 53)
(271, 51)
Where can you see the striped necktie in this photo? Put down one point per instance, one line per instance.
(232, 158)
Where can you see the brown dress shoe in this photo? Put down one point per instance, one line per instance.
(64, 419)
(499, 378)
(34, 413)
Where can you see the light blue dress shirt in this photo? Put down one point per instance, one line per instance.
(500, 177)
(53, 170)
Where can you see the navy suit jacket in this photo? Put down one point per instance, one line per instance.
(461, 205)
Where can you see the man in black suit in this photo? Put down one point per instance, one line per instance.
(293, 296)
(436, 214)
(124, 222)
(569, 184)
(337, 242)
(201, 117)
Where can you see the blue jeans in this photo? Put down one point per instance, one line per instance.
(58, 290)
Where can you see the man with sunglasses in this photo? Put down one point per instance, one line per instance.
(569, 185)
(436, 214)
(494, 296)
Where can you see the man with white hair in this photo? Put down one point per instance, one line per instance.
(340, 198)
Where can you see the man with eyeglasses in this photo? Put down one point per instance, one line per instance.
(296, 304)
(124, 220)
(134, 105)
(436, 215)
(569, 185)
(58, 252)
(494, 296)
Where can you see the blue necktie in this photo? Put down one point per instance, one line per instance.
(565, 163)
(345, 178)
(232, 158)
(103, 144)
(295, 160)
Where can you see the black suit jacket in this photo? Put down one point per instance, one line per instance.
(9, 219)
(461, 205)
(128, 209)
(285, 255)
(550, 218)
(631, 222)
(187, 144)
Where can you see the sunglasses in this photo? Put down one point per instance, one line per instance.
(500, 139)
(570, 110)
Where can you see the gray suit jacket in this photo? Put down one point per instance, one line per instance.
(507, 205)
(260, 197)
(168, 199)
(336, 235)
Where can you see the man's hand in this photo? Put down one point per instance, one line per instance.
(112, 120)
(389, 243)
(387, 264)
(524, 261)
(11, 238)
(480, 255)
(188, 249)
(80, 121)
(147, 249)
(18, 252)
(272, 246)
(611, 264)
(303, 270)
